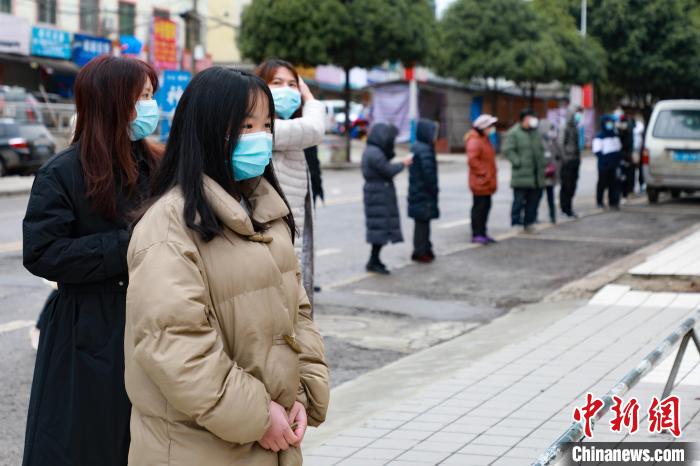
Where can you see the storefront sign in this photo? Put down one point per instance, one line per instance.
(52, 43)
(164, 44)
(85, 48)
(14, 34)
(168, 95)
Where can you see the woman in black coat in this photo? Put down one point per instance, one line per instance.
(76, 233)
(381, 208)
(423, 190)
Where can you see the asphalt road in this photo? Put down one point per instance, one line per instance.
(369, 321)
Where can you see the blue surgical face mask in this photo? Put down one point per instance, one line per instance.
(287, 101)
(577, 117)
(251, 155)
(609, 125)
(146, 120)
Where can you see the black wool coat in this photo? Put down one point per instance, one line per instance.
(78, 410)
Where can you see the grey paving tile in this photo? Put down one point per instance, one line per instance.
(498, 440)
(376, 454)
(425, 426)
(424, 457)
(383, 424)
(312, 460)
(345, 441)
(361, 462)
(487, 450)
(394, 444)
(468, 460)
(405, 434)
(449, 447)
(333, 451)
(366, 432)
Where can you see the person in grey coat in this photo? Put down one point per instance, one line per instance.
(381, 208)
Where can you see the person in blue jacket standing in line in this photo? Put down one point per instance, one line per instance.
(608, 148)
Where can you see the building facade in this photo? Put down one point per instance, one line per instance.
(222, 29)
(43, 43)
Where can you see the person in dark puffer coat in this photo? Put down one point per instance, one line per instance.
(423, 190)
(381, 208)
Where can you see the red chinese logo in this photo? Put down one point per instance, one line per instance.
(587, 413)
(627, 416)
(664, 415)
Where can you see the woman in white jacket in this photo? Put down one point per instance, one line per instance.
(300, 124)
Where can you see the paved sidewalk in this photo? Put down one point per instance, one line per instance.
(507, 407)
(681, 259)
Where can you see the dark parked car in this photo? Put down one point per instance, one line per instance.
(24, 147)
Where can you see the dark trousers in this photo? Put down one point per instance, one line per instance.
(526, 201)
(569, 180)
(550, 203)
(374, 256)
(628, 174)
(608, 181)
(421, 238)
(480, 215)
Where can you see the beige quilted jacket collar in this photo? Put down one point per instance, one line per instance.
(266, 205)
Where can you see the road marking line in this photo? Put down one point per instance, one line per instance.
(14, 246)
(328, 252)
(16, 325)
(590, 239)
(458, 223)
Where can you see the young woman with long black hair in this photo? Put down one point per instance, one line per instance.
(76, 234)
(224, 365)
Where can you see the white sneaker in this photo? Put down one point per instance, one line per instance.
(34, 337)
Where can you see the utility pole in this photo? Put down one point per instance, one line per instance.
(584, 17)
(192, 26)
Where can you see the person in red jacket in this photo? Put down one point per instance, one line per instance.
(483, 181)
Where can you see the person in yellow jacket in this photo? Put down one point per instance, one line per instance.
(224, 365)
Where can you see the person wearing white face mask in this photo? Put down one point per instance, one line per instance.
(524, 149)
(76, 233)
(299, 125)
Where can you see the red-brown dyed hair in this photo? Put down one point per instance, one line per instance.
(267, 69)
(106, 91)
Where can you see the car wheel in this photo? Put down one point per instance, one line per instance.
(3, 168)
(652, 195)
(675, 193)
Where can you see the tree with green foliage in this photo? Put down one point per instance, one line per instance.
(584, 57)
(652, 47)
(526, 42)
(345, 33)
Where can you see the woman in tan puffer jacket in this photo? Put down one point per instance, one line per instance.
(300, 124)
(224, 365)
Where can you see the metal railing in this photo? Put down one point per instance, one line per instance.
(685, 332)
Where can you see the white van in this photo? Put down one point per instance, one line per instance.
(671, 157)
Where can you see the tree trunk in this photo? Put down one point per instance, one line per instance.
(348, 141)
(533, 87)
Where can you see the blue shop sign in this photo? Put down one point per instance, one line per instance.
(52, 43)
(168, 95)
(85, 48)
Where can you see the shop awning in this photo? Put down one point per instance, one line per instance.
(50, 65)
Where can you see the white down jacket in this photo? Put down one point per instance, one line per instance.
(291, 138)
